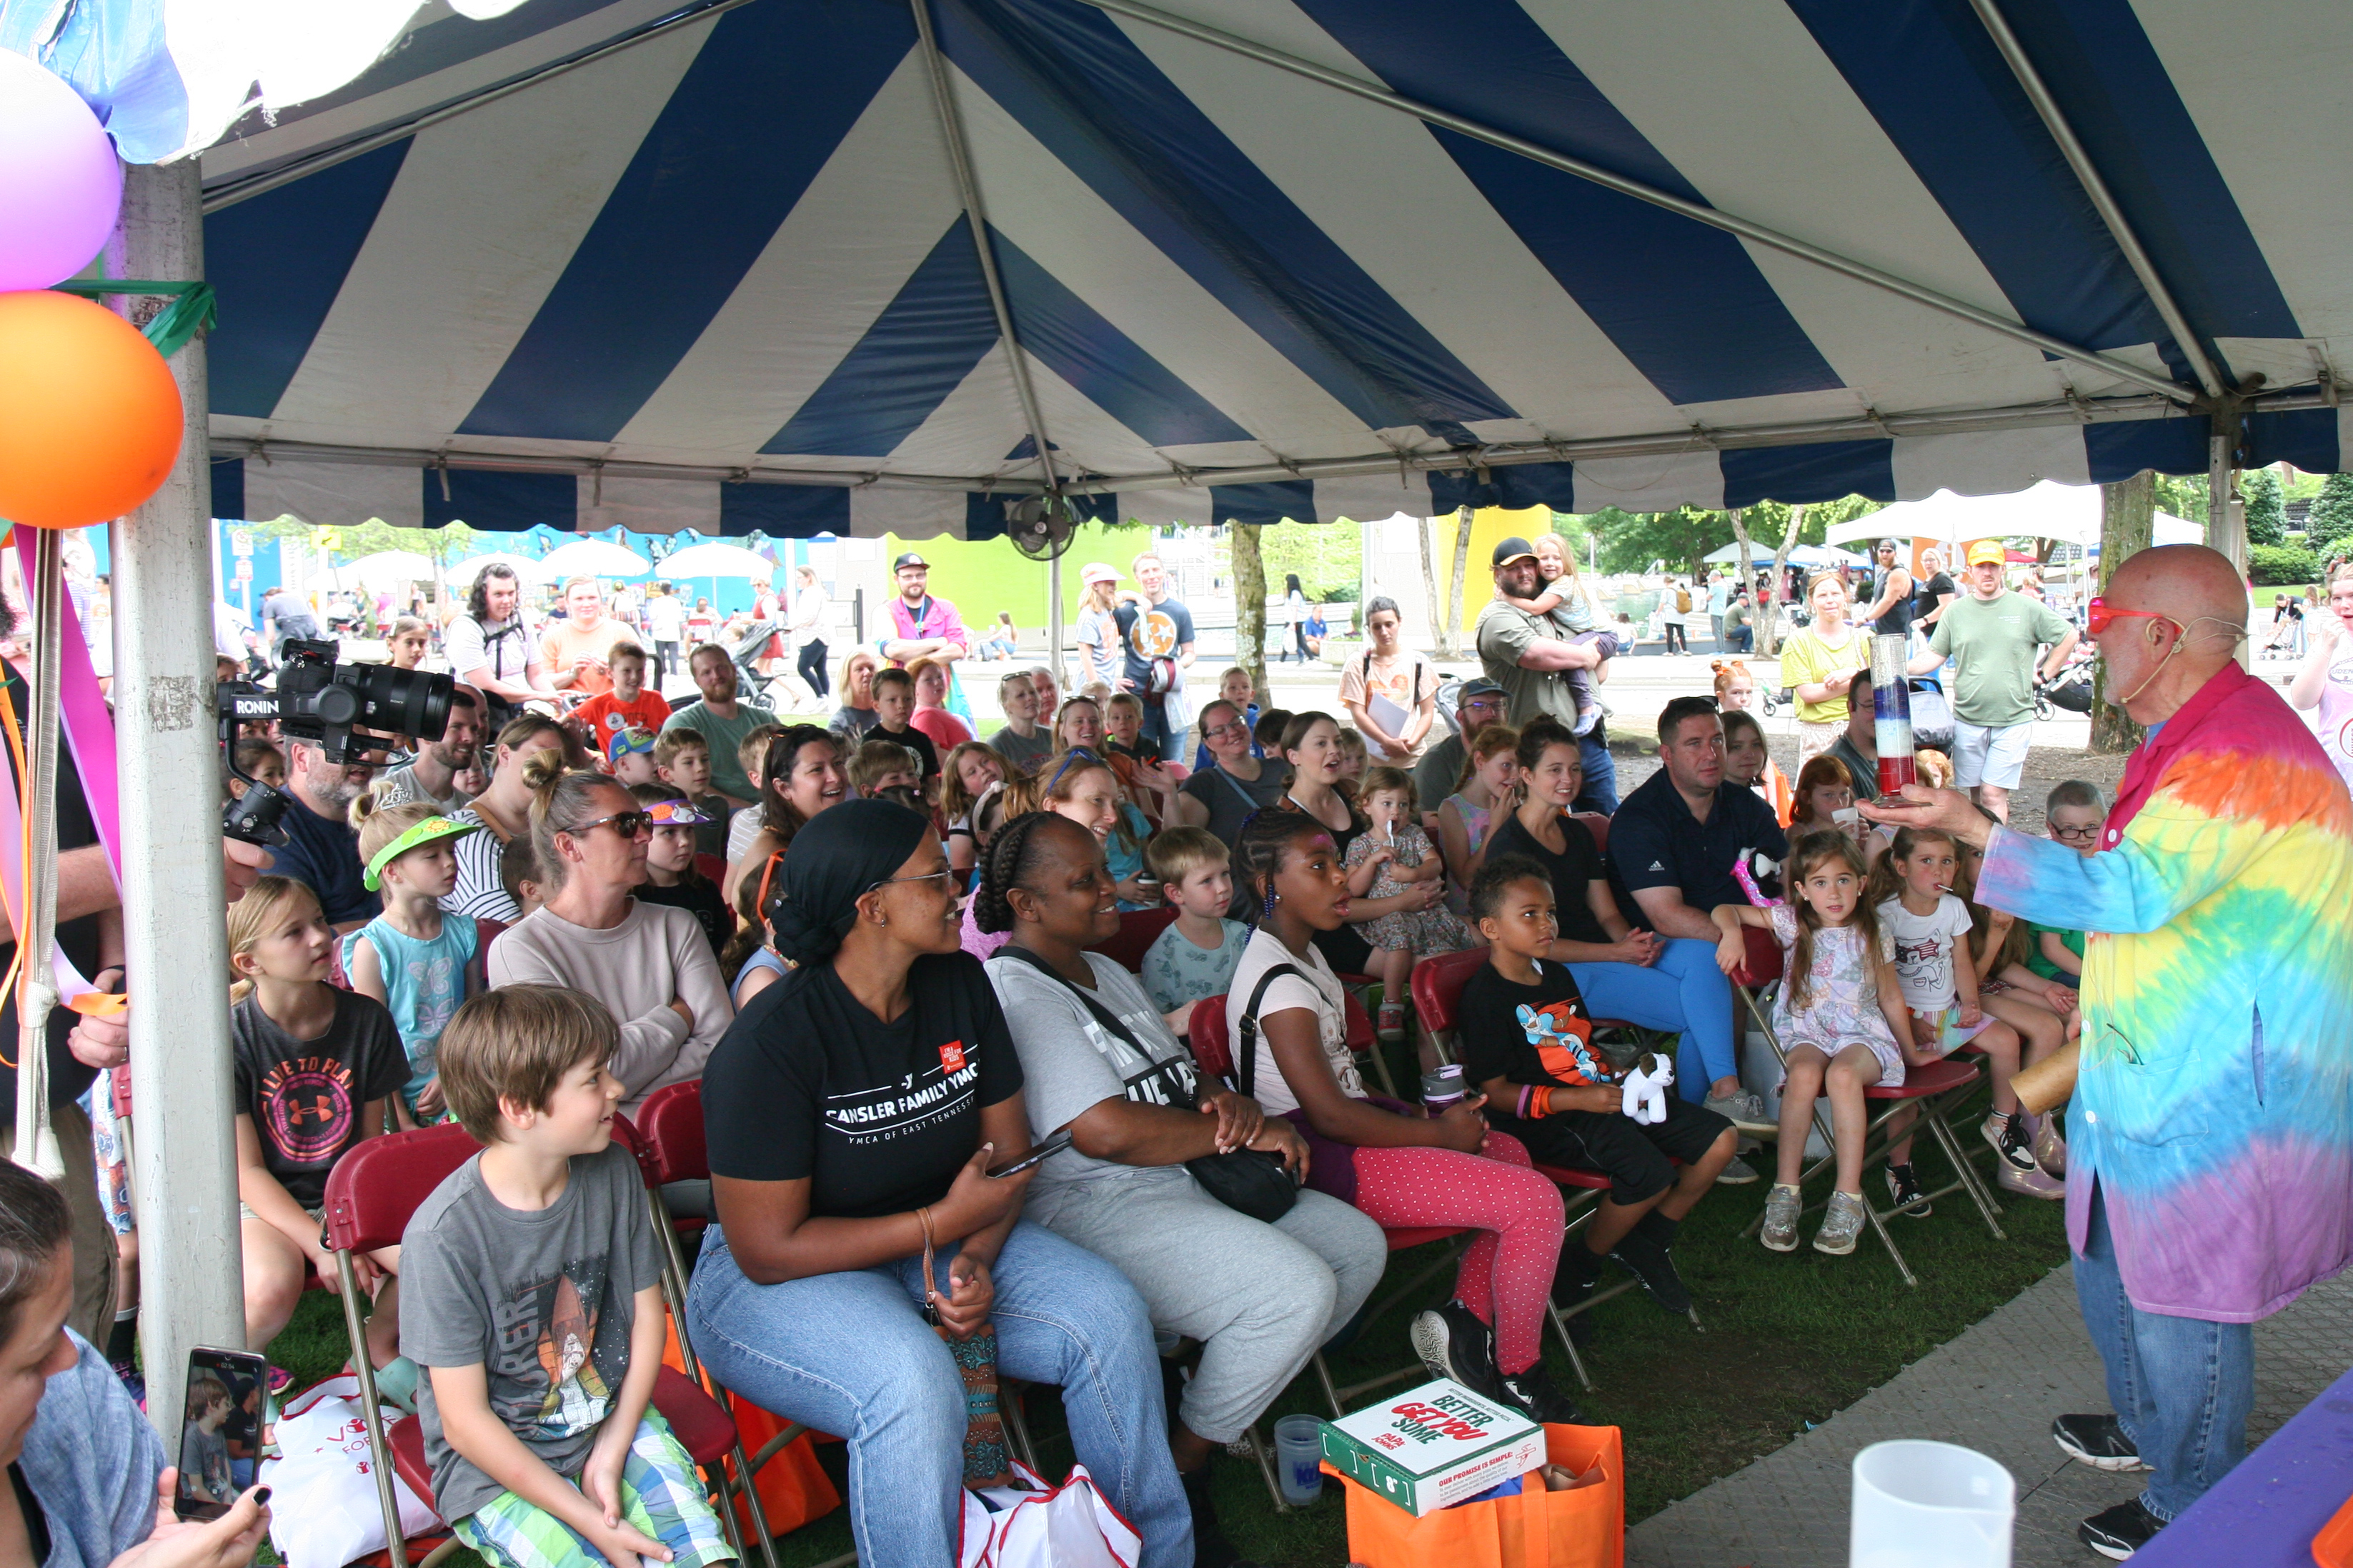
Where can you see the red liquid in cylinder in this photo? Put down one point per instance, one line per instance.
(1894, 772)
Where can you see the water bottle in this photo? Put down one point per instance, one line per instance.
(1442, 1086)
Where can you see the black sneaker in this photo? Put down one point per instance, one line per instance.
(2098, 1441)
(1532, 1391)
(1902, 1187)
(1649, 1263)
(1452, 1342)
(2010, 1140)
(2119, 1532)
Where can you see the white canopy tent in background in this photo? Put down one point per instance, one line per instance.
(528, 571)
(2070, 513)
(1799, 555)
(860, 267)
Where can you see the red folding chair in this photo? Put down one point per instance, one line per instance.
(1438, 985)
(371, 1193)
(1139, 929)
(1207, 1038)
(1933, 1089)
(670, 1130)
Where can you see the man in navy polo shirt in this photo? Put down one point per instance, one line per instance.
(1673, 843)
(321, 850)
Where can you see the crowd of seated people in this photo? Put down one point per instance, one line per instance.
(883, 964)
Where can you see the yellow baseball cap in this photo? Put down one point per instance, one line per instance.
(1987, 550)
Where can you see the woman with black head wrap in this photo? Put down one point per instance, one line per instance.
(855, 1104)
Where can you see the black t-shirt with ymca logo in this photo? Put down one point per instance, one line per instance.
(879, 1117)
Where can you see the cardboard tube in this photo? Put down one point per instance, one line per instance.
(2049, 1082)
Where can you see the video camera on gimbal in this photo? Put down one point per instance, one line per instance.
(323, 702)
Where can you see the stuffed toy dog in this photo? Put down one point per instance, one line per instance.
(1646, 1088)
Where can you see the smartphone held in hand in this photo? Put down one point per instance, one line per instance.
(221, 1433)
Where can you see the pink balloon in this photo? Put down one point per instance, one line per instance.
(61, 183)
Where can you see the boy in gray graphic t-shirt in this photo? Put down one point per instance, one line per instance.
(530, 1284)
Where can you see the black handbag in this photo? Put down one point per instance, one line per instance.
(1247, 1181)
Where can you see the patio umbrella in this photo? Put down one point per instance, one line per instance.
(392, 568)
(461, 575)
(714, 561)
(592, 558)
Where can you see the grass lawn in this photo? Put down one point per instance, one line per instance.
(1790, 1340)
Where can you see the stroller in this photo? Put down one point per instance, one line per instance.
(774, 693)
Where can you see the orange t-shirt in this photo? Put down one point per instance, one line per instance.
(562, 643)
(608, 714)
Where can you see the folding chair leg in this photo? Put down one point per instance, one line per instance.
(1575, 1362)
(1017, 1426)
(1951, 1144)
(715, 1482)
(1323, 1376)
(379, 1450)
(1259, 1449)
(752, 1501)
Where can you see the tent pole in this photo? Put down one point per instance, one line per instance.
(968, 190)
(36, 1145)
(1788, 244)
(1054, 621)
(190, 1259)
(2212, 376)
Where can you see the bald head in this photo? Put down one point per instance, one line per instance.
(2193, 584)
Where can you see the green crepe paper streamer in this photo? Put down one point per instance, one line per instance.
(194, 307)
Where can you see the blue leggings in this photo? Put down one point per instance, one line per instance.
(1686, 992)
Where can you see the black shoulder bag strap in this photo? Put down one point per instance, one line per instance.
(1246, 1062)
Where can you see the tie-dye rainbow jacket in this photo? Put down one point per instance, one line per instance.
(2215, 1102)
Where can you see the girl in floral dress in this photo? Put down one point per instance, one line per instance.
(1393, 855)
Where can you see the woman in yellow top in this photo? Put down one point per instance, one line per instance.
(1817, 664)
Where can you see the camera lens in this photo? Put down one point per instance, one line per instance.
(412, 702)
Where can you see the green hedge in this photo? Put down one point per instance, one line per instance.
(2275, 565)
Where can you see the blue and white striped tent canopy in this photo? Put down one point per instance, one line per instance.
(667, 264)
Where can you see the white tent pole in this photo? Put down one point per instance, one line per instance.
(36, 1145)
(2210, 376)
(1790, 245)
(1054, 619)
(968, 190)
(190, 1260)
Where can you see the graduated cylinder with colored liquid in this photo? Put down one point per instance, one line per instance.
(1890, 700)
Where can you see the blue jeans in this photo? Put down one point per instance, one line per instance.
(848, 1353)
(2182, 1387)
(1155, 733)
(1600, 773)
(1684, 991)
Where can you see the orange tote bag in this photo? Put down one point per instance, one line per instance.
(1582, 1529)
(794, 1488)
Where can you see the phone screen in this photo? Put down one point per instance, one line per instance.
(1055, 1143)
(221, 1432)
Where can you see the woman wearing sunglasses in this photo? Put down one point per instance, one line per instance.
(651, 966)
(853, 1115)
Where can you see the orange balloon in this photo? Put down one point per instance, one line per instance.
(89, 417)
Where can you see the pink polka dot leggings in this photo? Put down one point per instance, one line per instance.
(1506, 1275)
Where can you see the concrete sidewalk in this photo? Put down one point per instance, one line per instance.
(1995, 1389)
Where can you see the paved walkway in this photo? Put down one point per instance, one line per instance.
(1995, 1389)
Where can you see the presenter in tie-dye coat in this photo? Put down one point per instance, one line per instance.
(2210, 1157)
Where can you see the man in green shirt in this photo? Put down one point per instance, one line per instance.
(1991, 637)
(722, 720)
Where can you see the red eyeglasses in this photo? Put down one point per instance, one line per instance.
(2099, 616)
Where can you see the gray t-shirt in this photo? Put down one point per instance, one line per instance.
(1438, 772)
(727, 775)
(1023, 754)
(1070, 1063)
(1993, 642)
(543, 1300)
(400, 787)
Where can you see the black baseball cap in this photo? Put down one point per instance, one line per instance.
(1481, 686)
(909, 558)
(1511, 550)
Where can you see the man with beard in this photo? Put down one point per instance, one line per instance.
(322, 851)
(432, 779)
(490, 648)
(721, 720)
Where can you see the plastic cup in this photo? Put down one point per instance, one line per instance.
(1918, 1504)
(1299, 1458)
